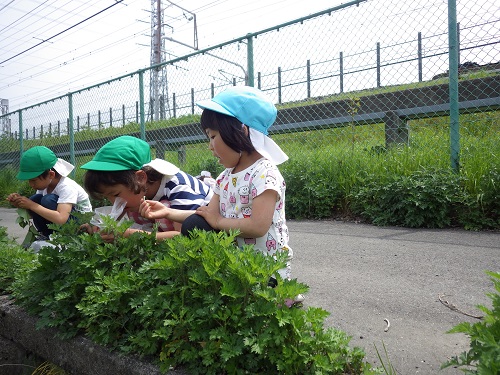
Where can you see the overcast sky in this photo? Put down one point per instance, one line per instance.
(51, 47)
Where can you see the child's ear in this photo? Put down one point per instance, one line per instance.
(52, 174)
(141, 176)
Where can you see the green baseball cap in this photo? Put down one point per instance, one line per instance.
(35, 161)
(121, 154)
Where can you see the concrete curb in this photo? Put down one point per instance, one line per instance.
(77, 356)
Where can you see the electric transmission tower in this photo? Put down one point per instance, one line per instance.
(159, 102)
(5, 121)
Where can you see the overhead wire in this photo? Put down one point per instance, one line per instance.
(69, 28)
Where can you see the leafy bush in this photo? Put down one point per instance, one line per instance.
(483, 357)
(429, 198)
(15, 262)
(201, 303)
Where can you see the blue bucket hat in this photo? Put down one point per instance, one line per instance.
(247, 104)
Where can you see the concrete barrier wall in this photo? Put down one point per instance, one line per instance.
(77, 356)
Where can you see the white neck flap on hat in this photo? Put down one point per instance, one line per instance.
(267, 147)
(63, 167)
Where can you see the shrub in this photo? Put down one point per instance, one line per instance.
(484, 353)
(422, 199)
(201, 303)
(15, 262)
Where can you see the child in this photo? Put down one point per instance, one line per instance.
(56, 194)
(250, 194)
(123, 168)
(206, 177)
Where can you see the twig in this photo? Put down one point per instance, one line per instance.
(454, 308)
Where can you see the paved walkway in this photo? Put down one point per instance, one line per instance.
(364, 274)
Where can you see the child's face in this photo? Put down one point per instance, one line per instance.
(122, 191)
(226, 155)
(41, 183)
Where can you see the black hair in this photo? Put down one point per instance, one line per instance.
(45, 173)
(93, 181)
(230, 129)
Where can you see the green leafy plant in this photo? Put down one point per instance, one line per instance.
(422, 199)
(385, 362)
(201, 303)
(24, 220)
(484, 353)
(15, 261)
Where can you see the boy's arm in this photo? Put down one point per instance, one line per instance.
(57, 217)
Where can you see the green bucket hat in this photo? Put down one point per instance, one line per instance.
(35, 161)
(121, 154)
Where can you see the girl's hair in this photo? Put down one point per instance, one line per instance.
(229, 128)
(94, 181)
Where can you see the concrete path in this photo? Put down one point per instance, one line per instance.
(364, 274)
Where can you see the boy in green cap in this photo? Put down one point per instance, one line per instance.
(123, 168)
(56, 194)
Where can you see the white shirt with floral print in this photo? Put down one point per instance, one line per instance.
(236, 193)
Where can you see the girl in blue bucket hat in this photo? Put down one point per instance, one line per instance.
(249, 195)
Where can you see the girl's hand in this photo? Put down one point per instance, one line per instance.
(153, 210)
(211, 216)
(107, 237)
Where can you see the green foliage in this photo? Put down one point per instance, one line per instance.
(483, 357)
(15, 262)
(428, 198)
(10, 184)
(386, 363)
(24, 220)
(201, 303)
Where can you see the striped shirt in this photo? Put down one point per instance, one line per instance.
(184, 192)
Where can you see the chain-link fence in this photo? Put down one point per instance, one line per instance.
(399, 84)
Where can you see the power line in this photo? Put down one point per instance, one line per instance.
(69, 28)
(24, 15)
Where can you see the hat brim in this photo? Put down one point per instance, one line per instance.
(23, 176)
(103, 166)
(210, 104)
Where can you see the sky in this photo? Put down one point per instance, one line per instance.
(51, 47)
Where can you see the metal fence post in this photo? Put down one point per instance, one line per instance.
(419, 56)
(71, 133)
(378, 64)
(279, 84)
(341, 71)
(308, 78)
(453, 86)
(21, 141)
(250, 68)
(141, 105)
